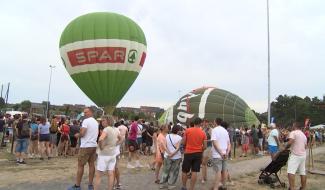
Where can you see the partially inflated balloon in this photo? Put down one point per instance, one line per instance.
(103, 53)
(210, 103)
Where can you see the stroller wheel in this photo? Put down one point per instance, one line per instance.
(283, 185)
(272, 185)
(260, 181)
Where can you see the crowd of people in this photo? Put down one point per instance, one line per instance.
(173, 147)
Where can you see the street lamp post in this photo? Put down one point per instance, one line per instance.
(48, 92)
(268, 66)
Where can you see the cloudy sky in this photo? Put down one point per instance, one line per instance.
(221, 43)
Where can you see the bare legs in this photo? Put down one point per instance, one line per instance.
(204, 168)
(110, 177)
(291, 178)
(193, 179)
(45, 149)
(80, 173)
(117, 173)
(91, 172)
(34, 147)
(157, 169)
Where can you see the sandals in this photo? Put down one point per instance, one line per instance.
(157, 181)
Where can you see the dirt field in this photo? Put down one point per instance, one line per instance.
(314, 182)
(58, 173)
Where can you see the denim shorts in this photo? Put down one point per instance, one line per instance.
(22, 145)
(139, 140)
(273, 149)
(219, 165)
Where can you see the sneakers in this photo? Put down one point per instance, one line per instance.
(138, 165)
(130, 166)
(22, 162)
(163, 186)
(117, 186)
(90, 187)
(170, 187)
(74, 188)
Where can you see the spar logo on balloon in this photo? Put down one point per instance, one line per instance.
(209, 103)
(103, 53)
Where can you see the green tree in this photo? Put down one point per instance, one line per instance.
(16, 107)
(2, 103)
(287, 109)
(26, 105)
(67, 110)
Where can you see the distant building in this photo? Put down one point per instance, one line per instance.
(79, 106)
(38, 108)
(149, 109)
(130, 109)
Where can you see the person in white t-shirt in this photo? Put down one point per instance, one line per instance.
(107, 151)
(87, 152)
(220, 150)
(124, 133)
(172, 159)
(139, 136)
(273, 141)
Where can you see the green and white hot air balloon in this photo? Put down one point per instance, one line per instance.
(209, 103)
(103, 53)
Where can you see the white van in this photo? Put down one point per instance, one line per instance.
(11, 114)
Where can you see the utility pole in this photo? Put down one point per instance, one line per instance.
(268, 66)
(1, 90)
(48, 92)
(7, 94)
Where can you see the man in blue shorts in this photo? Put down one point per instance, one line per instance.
(273, 141)
(23, 134)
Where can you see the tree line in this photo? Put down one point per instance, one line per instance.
(287, 109)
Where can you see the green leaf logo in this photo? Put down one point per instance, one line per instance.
(132, 56)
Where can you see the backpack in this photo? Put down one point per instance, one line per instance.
(25, 130)
(65, 129)
(53, 128)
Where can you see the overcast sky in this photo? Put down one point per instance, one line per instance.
(221, 43)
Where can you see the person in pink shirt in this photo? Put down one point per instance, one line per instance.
(297, 159)
(133, 146)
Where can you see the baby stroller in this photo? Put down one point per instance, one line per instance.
(269, 175)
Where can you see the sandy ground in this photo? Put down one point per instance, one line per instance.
(58, 174)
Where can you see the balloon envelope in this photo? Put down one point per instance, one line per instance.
(103, 53)
(210, 103)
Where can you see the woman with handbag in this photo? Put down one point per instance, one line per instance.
(161, 147)
(65, 130)
(172, 159)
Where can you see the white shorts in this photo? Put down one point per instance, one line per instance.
(118, 150)
(106, 163)
(297, 164)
